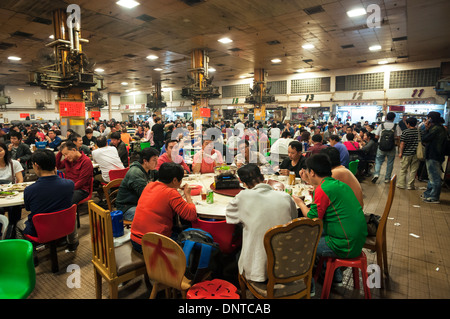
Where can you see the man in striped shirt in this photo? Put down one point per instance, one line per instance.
(408, 155)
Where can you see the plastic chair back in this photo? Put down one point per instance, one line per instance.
(118, 173)
(17, 273)
(5, 222)
(222, 233)
(145, 145)
(353, 166)
(52, 226)
(41, 145)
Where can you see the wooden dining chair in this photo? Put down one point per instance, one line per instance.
(378, 243)
(291, 251)
(110, 191)
(166, 264)
(114, 264)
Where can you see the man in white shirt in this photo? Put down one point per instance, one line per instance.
(258, 208)
(246, 155)
(280, 147)
(240, 126)
(107, 158)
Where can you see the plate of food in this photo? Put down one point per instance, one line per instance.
(7, 193)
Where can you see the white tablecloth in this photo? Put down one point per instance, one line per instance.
(12, 200)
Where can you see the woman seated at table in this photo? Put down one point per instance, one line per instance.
(207, 158)
(257, 208)
(350, 144)
(10, 172)
(171, 155)
(159, 203)
(295, 161)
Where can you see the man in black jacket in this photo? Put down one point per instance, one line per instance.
(19, 151)
(121, 148)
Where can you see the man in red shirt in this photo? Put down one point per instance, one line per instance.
(78, 168)
(159, 203)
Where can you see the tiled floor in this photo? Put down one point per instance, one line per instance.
(418, 236)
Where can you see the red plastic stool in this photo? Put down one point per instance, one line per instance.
(214, 289)
(333, 263)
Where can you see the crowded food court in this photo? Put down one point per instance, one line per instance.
(201, 150)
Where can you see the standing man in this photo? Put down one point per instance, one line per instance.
(435, 138)
(407, 152)
(388, 135)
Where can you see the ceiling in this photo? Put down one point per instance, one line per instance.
(120, 39)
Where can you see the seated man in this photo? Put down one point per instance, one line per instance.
(295, 161)
(160, 203)
(108, 159)
(89, 139)
(246, 156)
(317, 144)
(138, 176)
(78, 168)
(19, 151)
(343, 174)
(207, 158)
(116, 141)
(76, 139)
(335, 141)
(36, 196)
(345, 228)
(171, 155)
(280, 147)
(257, 208)
(53, 140)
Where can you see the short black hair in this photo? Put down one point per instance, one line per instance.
(147, 153)
(74, 136)
(350, 136)
(115, 135)
(46, 159)
(250, 174)
(168, 171)
(333, 154)
(317, 138)
(101, 141)
(286, 134)
(390, 116)
(320, 164)
(411, 121)
(168, 141)
(296, 145)
(16, 134)
(88, 131)
(335, 138)
(69, 145)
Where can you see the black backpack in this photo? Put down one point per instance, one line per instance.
(387, 139)
(201, 253)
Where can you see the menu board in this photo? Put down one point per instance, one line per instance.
(71, 109)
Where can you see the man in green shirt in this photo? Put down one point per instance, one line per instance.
(344, 224)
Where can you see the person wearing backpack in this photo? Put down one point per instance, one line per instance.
(388, 134)
(435, 139)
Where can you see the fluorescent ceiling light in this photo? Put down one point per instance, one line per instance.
(52, 37)
(225, 40)
(375, 48)
(301, 70)
(14, 58)
(99, 70)
(383, 62)
(129, 4)
(158, 69)
(356, 12)
(124, 83)
(308, 46)
(152, 57)
(275, 60)
(242, 76)
(211, 70)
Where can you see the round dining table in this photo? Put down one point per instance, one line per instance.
(12, 200)
(217, 209)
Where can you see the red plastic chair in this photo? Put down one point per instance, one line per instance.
(53, 226)
(118, 173)
(213, 289)
(91, 189)
(222, 233)
(333, 263)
